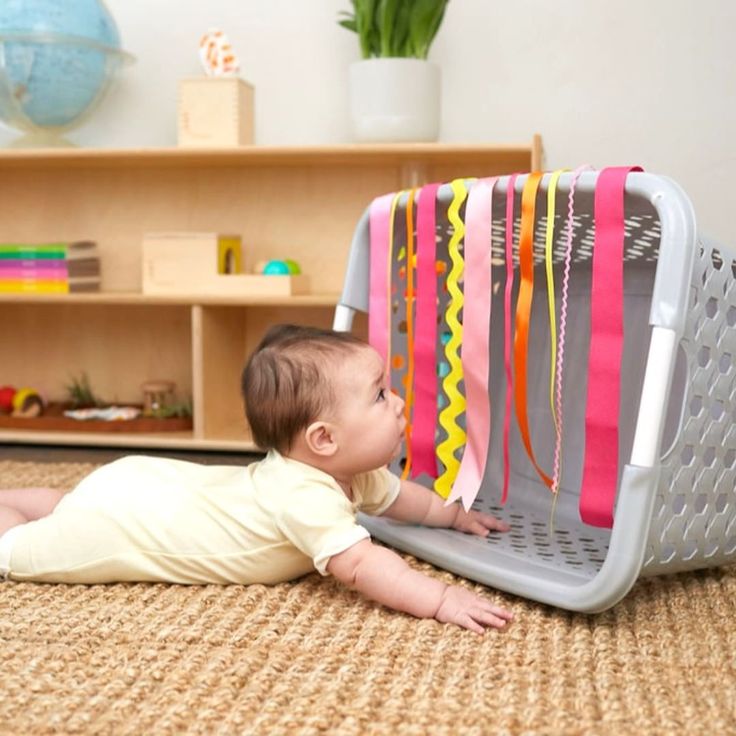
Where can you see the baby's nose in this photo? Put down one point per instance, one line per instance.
(399, 404)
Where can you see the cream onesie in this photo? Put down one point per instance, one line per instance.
(155, 519)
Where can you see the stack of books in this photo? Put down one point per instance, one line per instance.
(49, 268)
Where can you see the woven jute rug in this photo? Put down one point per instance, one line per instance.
(310, 657)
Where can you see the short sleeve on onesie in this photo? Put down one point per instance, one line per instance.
(320, 520)
(376, 491)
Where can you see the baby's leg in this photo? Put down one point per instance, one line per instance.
(31, 503)
(9, 518)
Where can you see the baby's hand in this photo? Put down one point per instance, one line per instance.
(475, 522)
(464, 608)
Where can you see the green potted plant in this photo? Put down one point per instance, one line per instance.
(395, 89)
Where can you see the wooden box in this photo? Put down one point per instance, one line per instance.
(199, 264)
(215, 112)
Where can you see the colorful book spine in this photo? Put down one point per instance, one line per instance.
(25, 273)
(32, 252)
(57, 268)
(33, 286)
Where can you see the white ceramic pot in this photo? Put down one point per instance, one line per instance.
(395, 100)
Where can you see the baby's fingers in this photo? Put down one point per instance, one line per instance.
(492, 523)
(484, 617)
(468, 622)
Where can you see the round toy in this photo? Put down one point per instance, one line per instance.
(6, 399)
(294, 268)
(27, 402)
(276, 268)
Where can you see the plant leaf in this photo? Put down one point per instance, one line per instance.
(387, 24)
(394, 28)
(426, 18)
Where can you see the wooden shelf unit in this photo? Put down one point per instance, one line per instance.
(286, 202)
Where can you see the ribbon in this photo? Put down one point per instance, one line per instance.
(556, 476)
(523, 314)
(476, 339)
(448, 416)
(425, 339)
(600, 467)
(408, 394)
(549, 239)
(389, 255)
(378, 322)
(507, 331)
(557, 413)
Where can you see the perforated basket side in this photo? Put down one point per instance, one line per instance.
(694, 517)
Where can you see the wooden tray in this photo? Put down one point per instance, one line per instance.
(53, 420)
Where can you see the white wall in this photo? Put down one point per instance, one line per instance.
(636, 81)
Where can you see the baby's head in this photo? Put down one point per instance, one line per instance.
(325, 388)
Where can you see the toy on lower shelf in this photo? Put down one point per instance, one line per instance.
(83, 411)
(23, 402)
(157, 397)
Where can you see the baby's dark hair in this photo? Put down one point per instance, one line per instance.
(286, 382)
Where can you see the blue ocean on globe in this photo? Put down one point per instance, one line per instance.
(56, 59)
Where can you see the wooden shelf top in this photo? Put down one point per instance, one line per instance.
(164, 440)
(135, 298)
(346, 154)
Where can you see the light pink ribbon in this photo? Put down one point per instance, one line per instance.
(424, 458)
(476, 341)
(600, 467)
(507, 331)
(379, 216)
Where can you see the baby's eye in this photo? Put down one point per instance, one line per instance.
(381, 395)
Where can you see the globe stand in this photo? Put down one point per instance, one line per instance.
(41, 139)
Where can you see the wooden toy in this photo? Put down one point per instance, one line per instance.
(197, 264)
(215, 112)
(27, 402)
(157, 395)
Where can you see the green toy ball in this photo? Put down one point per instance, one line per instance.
(276, 268)
(294, 268)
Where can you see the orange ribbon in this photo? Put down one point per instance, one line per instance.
(523, 313)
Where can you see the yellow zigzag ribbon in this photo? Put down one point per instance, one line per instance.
(448, 416)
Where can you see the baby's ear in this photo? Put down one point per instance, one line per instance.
(320, 439)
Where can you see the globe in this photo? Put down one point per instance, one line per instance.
(57, 60)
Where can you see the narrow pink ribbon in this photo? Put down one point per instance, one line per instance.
(425, 338)
(507, 331)
(600, 467)
(379, 216)
(476, 341)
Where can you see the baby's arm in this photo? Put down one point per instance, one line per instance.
(417, 505)
(380, 574)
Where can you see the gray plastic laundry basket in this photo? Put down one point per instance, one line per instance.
(676, 502)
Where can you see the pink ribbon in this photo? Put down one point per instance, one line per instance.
(600, 467)
(507, 331)
(379, 216)
(425, 338)
(476, 341)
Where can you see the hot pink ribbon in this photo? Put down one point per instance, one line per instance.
(507, 331)
(476, 341)
(600, 467)
(379, 216)
(425, 339)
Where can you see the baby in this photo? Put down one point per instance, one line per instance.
(317, 401)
